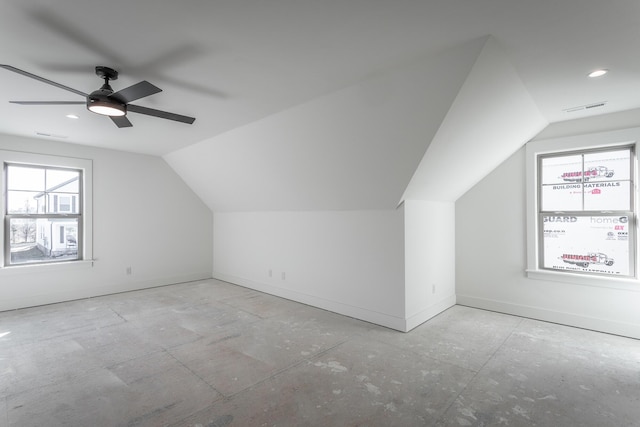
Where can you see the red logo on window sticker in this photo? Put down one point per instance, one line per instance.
(596, 191)
(592, 172)
(583, 260)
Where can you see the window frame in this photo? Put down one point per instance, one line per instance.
(602, 140)
(585, 213)
(84, 238)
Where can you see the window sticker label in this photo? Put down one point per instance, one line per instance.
(610, 196)
(599, 181)
(608, 165)
(556, 169)
(594, 244)
(595, 196)
(562, 197)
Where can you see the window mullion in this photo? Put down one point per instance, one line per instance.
(582, 182)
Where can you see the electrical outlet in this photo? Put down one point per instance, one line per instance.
(283, 275)
(270, 273)
(128, 271)
(433, 288)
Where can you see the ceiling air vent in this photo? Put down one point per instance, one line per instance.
(51, 135)
(585, 107)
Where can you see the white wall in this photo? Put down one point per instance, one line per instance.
(144, 217)
(491, 116)
(312, 191)
(491, 260)
(429, 259)
(353, 149)
(349, 262)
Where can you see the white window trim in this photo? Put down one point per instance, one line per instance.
(86, 165)
(623, 137)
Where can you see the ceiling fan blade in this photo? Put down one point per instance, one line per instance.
(48, 102)
(48, 17)
(136, 91)
(177, 55)
(162, 114)
(200, 89)
(42, 79)
(121, 121)
(67, 68)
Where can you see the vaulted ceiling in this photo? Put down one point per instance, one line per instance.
(232, 63)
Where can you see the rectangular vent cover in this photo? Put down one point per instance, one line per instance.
(585, 107)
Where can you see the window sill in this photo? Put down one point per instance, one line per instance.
(622, 283)
(45, 268)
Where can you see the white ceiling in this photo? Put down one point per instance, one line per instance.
(230, 63)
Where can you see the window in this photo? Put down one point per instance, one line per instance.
(582, 209)
(46, 209)
(586, 211)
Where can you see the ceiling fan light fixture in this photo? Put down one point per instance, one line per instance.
(101, 102)
(106, 108)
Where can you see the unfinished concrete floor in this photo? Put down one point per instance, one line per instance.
(213, 354)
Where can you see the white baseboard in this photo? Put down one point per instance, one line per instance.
(360, 313)
(150, 283)
(421, 317)
(569, 319)
(89, 291)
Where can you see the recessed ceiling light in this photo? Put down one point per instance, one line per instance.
(72, 116)
(598, 73)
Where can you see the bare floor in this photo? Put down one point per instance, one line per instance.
(213, 354)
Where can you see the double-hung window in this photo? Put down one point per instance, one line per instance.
(46, 209)
(582, 209)
(586, 211)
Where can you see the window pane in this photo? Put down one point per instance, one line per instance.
(23, 178)
(42, 190)
(608, 165)
(43, 240)
(22, 202)
(63, 181)
(607, 196)
(561, 169)
(594, 244)
(561, 197)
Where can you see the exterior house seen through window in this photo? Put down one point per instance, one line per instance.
(586, 212)
(43, 214)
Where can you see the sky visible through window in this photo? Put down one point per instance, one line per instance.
(24, 184)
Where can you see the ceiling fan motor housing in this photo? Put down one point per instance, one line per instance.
(101, 102)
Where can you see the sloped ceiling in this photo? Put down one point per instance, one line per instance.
(233, 62)
(315, 105)
(353, 149)
(492, 116)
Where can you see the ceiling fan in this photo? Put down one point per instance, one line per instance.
(105, 101)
